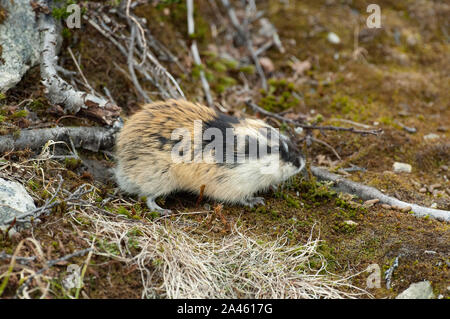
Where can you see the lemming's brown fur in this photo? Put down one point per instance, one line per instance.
(145, 165)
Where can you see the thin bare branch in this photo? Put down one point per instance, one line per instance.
(367, 193)
(259, 109)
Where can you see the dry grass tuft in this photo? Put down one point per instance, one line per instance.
(175, 263)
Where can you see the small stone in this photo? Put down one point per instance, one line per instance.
(19, 40)
(442, 129)
(333, 38)
(14, 201)
(350, 222)
(267, 64)
(444, 168)
(431, 188)
(411, 40)
(430, 252)
(300, 67)
(434, 205)
(402, 167)
(417, 184)
(408, 129)
(406, 209)
(431, 137)
(370, 202)
(423, 190)
(419, 290)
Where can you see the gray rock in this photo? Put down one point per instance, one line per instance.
(418, 290)
(402, 167)
(333, 38)
(14, 201)
(19, 39)
(431, 137)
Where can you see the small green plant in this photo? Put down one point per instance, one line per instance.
(19, 114)
(279, 96)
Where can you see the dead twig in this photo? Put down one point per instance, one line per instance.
(194, 51)
(367, 192)
(259, 109)
(58, 91)
(244, 34)
(50, 264)
(131, 65)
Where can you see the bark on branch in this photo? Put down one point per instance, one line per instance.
(58, 91)
(366, 193)
(89, 138)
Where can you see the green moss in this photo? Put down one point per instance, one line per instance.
(38, 105)
(218, 66)
(247, 69)
(292, 202)
(275, 214)
(19, 114)
(227, 81)
(279, 96)
(195, 72)
(343, 104)
(261, 209)
(33, 185)
(66, 33)
(163, 3)
(344, 228)
(230, 64)
(60, 12)
(72, 163)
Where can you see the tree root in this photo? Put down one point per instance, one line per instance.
(367, 193)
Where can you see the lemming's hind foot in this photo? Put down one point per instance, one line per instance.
(254, 201)
(151, 204)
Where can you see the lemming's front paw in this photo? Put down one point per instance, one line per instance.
(156, 208)
(254, 201)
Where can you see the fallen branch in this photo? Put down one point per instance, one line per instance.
(89, 138)
(20, 260)
(150, 68)
(244, 34)
(194, 51)
(131, 64)
(259, 109)
(58, 91)
(51, 263)
(366, 193)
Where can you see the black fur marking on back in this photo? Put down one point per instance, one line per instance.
(222, 122)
